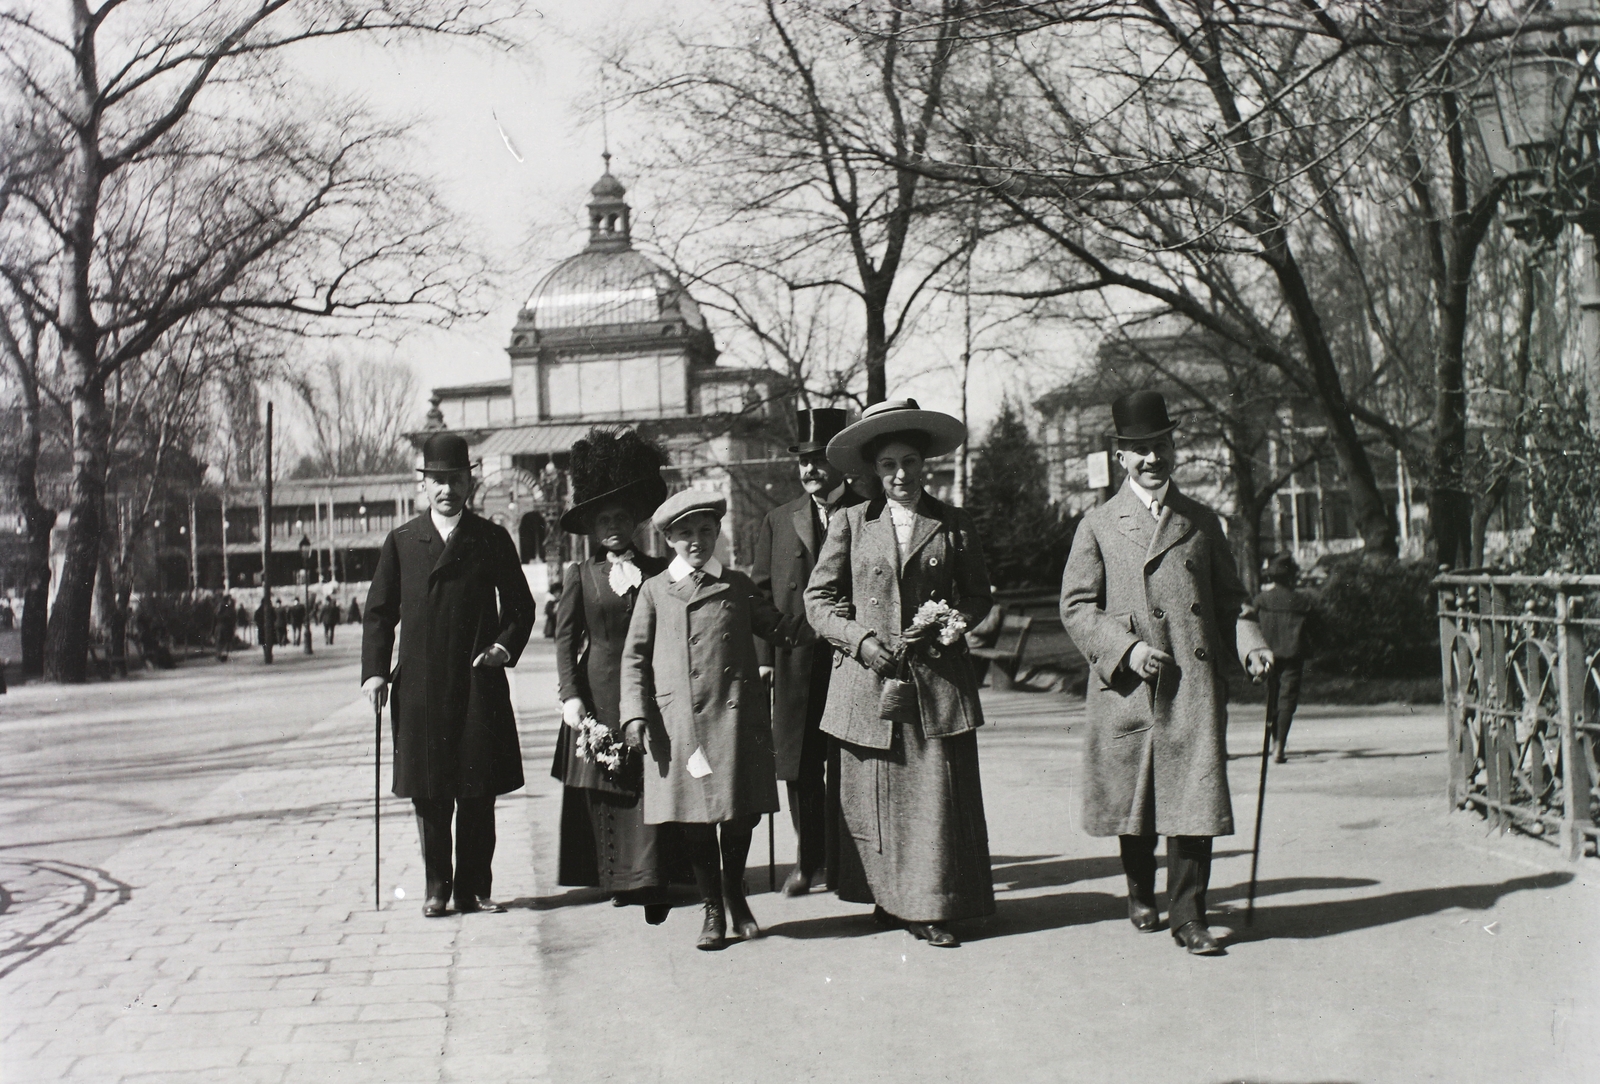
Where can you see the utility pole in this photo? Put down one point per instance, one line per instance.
(268, 633)
(194, 550)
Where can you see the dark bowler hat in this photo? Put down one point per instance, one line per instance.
(1140, 415)
(443, 453)
(816, 428)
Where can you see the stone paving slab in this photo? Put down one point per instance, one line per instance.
(243, 945)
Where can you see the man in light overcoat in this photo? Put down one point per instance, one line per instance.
(451, 580)
(1151, 597)
(786, 552)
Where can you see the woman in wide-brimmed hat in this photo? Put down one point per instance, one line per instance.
(917, 843)
(616, 484)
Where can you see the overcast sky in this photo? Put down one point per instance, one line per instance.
(481, 111)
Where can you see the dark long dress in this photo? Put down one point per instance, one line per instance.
(604, 840)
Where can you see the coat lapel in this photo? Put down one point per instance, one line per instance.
(805, 526)
(1133, 519)
(460, 544)
(1174, 526)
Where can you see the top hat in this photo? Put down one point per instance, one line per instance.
(612, 466)
(816, 428)
(944, 434)
(444, 453)
(1140, 415)
(686, 502)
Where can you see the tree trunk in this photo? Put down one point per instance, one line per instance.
(38, 521)
(67, 639)
(877, 356)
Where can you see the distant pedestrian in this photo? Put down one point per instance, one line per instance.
(1289, 623)
(223, 625)
(330, 612)
(1151, 597)
(242, 622)
(690, 650)
(8, 617)
(298, 620)
(452, 582)
(551, 605)
(354, 617)
(280, 620)
(914, 839)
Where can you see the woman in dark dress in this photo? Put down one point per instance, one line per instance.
(616, 483)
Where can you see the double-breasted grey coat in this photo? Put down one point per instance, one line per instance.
(689, 670)
(786, 553)
(455, 735)
(860, 564)
(1155, 754)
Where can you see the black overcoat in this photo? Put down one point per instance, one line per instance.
(591, 628)
(455, 735)
(786, 552)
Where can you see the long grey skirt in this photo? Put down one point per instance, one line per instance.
(914, 838)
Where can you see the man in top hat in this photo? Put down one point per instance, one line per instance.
(1151, 597)
(452, 581)
(786, 552)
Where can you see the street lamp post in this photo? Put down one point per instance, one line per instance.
(305, 587)
(1538, 116)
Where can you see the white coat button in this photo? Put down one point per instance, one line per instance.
(933, 561)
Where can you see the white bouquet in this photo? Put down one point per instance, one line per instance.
(950, 622)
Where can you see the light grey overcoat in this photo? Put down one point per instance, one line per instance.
(689, 670)
(860, 565)
(1155, 756)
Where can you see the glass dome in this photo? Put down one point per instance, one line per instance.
(609, 287)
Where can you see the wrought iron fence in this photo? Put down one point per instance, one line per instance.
(1521, 662)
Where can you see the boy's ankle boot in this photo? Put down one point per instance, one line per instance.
(739, 916)
(713, 931)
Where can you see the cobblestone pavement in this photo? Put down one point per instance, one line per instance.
(1394, 941)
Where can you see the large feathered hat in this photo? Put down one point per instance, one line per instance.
(613, 466)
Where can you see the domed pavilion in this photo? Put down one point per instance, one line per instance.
(610, 337)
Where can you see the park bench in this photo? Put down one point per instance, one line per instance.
(1005, 657)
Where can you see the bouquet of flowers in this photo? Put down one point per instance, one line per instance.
(950, 623)
(603, 746)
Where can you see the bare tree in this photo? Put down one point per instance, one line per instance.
(800, 142)
(358, 411)
(193, 178)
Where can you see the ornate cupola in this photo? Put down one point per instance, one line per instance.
(609, 227)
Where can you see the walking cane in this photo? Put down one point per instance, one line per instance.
(772, 868)
(377, 831)
(1261, 800)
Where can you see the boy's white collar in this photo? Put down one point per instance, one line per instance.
(679, 568)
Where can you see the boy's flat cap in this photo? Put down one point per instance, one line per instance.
(687, 501)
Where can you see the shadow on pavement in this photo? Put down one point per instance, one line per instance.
(1317, 756)
(1018, 872)
(1333, 917)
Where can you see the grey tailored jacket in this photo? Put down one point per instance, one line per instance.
(1155, 754)
(860, 565)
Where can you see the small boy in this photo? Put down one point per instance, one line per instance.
(691, 682)
(1288, 622)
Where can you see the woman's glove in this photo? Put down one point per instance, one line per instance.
(919, 635)
(633, 734)
(572, 712)
(877, 657)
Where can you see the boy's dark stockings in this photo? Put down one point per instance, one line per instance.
(719, 874)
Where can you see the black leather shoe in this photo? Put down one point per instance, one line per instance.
(1197, 939)
(1144, 916)
(656, 913)
(742, 924)
(435, 907)
(714, 930)
(469, 904)
(937, 936)
(797, 884)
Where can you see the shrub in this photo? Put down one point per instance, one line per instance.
(1379, 619)
(1025, 536)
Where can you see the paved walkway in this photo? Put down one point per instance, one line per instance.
(1393, 941)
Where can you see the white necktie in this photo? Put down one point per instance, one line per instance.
(1155, 509)
(625, 575)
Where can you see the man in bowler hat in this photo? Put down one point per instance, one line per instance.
(786, 552)
(452, 581)
(1151, 597)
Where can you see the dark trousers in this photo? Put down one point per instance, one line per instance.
(473, 850)
(814, 803)
(1188, 874)
(1283, 696)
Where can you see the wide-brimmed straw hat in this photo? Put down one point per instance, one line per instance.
(943, 433)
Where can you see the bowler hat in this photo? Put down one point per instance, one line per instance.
(687, 502)
(816, 428)
(443, 453)
(944, 433)
(1140, 415)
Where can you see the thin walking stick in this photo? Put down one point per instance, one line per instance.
(772, 867)
(1261, 801)
(377, 831)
